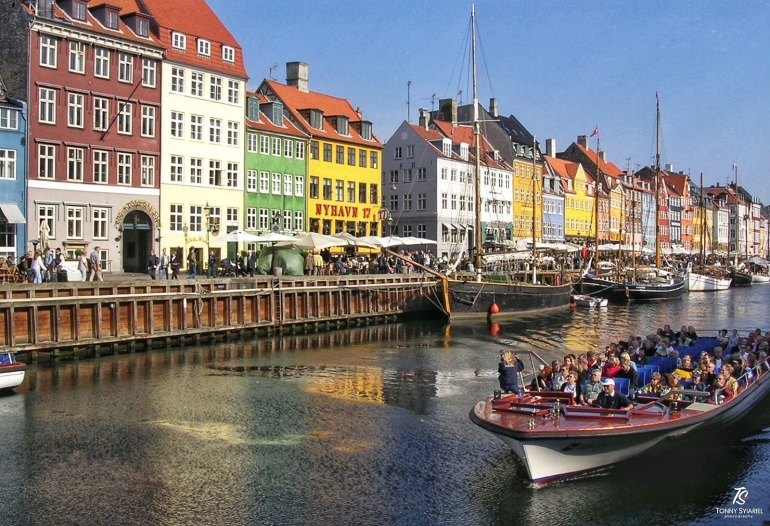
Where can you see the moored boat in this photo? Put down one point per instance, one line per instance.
(740, 279)
(554, 440)
(11, 372)
(760, 278)
(696, 282)
(584, 300)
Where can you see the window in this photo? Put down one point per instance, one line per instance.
(288, 148)
(314, 187)
(196, 84)
(288, 184)
(351, 192)
(9, 119)
(393, 176)
(264, 182)
(148, 121)
(196, 218)
(394, 203)
(177, 168)
(407, 230)
(215, 173)
(366, 131)
(196, 171)
(125, 168)
(7, 164)
(79, 11)
(299, 221)
(327, 152)
(264, 144)
(340, 187)
(362, 158)
(443, 200)
(422, 201)
(215, 130)
(352, 156)
(299, 185)
(74, 164)
(112, 20)
(48, 51)
(77, 57)
(125, 125)
(233, 130)
(340, 155)
(75, 110)
(228, 54)
(314, 150)
(410, 151)
(148, 170)
(46, 161)
(264, 218)
(101, 166)
(373, 160)
(407, 202)
(316, 119)
(47, 214)
(100, 219)
(142, 27)
(328, 189)
(277, 146)
(373, 194)
(47, 106)
(288, 215)
(251, 181)
(252, 141)
(177, 218)
(422, 231)
(177, 80)
(196, 127)
(74, 222)
(204, 47)
(125, 68)
(422, 174)
(232, 175)
(397, 152)
(408, 175)
(342, 126)
(179, 41)
(233, 91)
(148, 73)
(101, 63)
(101, 113)
(177, 124)
(277, 184)
(215, 88)
(251, 219)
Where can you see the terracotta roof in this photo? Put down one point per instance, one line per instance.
(195, 19)
(428, 135)
(607, 168)
(300, 102)
(265, 124)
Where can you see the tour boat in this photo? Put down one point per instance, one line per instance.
(589, 301)
(760, 278)
(555, 440)
(11, 371)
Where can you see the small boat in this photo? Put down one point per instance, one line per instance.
(704, 283)
(740, 278)
(760, 278)
(555, 440)
(589, 301)
(11, 372)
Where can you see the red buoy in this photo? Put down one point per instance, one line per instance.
(494, 309)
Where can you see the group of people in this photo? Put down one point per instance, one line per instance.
(323, 263)
(165, 266)
(47, 266)
(590, 377)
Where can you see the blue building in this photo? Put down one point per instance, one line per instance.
(13, 175)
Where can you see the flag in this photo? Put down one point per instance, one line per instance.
(596, 131)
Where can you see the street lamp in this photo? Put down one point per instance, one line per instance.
(207, 211)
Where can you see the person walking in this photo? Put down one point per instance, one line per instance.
(212, 270)
(164, 262)
(192, 262)
(83, 265)
(153, 262)
(309, 263)
(37, 267)
(96, 266)
(175, 264)
(252, 262)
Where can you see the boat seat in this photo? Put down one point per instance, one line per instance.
(643, 376)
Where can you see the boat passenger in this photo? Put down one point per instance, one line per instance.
(653, 388)
(612, 368)
(734, 341)
(717, 359)
(609, 398)
(572, 387)
(673, 385)
(685, 370)
(697, 385)
(691, 333)
(542, 381)
(762, 362)
(664, 348)
(626, 371)
(509, 368)
(730, 381)
(724, 393)
(592, 388)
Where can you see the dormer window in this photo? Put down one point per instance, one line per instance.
(464, 151)
(252, 109)
(342, 126)
(142, 27)
(79, 11)
(228, 54)
(179, 41)
(204, 47)
(276, 116)
(111, 19)
(316, 119)
(366, 131)
(446, 147)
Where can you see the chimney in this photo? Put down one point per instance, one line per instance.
(297, 75)
(493, 107)
(550, 147)
(424, 118)
(360, 113)
(447, 109)
(603, 156)
(669, 168)
(582, 140)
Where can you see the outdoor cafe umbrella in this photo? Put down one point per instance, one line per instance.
(411, 240)
(354, 241)
(313, 240)
(272, 237)
(238, 236)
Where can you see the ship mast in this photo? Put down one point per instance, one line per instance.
(535, 180)
(477, 141)
(596, 209)
(657, 181)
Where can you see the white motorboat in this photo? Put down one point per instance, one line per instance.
(703, 283)
(760, 278)
(11, 372)
(589, 301)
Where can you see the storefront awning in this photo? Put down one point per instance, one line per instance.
(12, 213)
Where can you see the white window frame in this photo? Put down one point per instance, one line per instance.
(9, 119)
(215, 130)
(233, 133)
(276, 146)
(47, 106)
(125, 118)
(233, 91)
(196, 127)
(179, 41)
(176, 168)
(177, 79)
(215, 88)
(251, 218)
(100, 166)
(148, 121)
(100, 218)
(276, 188)
(253, 142)
(7, 164)
(149, 73)
(299, 221)
(75, 107)
(77, 61)
(74, 216)
(232, 175)
(299, 152)
(75, 164)
(176, 217)
(196, 83)
(101, 113)
(196, 170)
(264, 144)
(102, 63)
(288, 184)
(196, 218)
(251, 180)
(46, 161)
(264, 219)
(147, 171)
(177, 124)
(228, 54)
(49, 50)
(47, 213)
(299, 186)
(264, 182)
(204, 47)
(125, 169)
(125, 68)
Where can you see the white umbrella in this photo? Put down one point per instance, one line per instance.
(238, 236)
(314, 240)
(272, 237)
(411, 240)
(391, 241)
(354, 241)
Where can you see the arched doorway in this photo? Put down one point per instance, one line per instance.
(137, 241)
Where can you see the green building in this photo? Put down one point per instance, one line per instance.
(276, 165)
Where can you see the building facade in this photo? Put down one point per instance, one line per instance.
(13, 175)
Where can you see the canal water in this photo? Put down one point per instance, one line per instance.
(356, 427)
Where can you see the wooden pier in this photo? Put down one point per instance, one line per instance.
(96, 316)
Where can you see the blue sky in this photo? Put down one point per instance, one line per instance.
(561, 68)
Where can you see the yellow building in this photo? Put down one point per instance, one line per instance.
(579, 200)
(617, 211)
(527, 192)
(343, 171)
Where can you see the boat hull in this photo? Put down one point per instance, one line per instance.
(611, 290)
(12, 376)
(702, 283)
(759, 278)
(740, 279)
(473, 299)
(654, 291)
